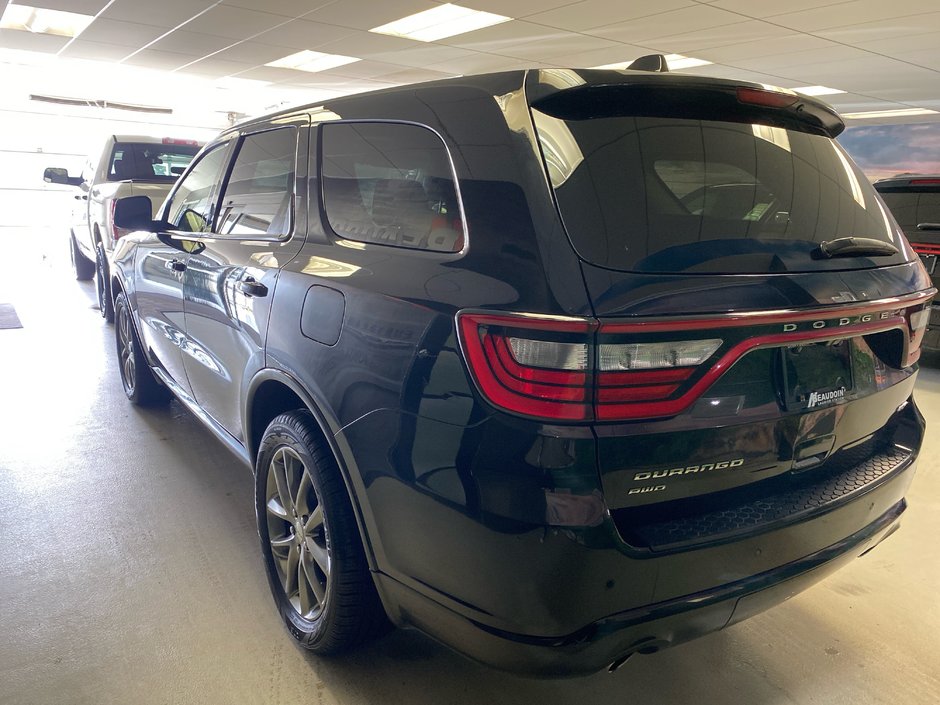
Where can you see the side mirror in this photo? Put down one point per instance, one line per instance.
(58, 175)
(134, 213)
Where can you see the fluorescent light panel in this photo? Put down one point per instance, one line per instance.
(817, 90)
(312, 61)
(440, 22)
(39, 20)
(675, 62)
(902, 112)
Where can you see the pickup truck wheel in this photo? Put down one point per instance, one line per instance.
(105, 302)
(312, 550)
(140, 385)
(83, 267)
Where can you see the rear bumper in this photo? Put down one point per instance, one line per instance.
(611, 640)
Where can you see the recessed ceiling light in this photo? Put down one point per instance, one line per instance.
(901, 112)
(675, 62)
(817, 90)
(42, 21)
(443, 21)
(312, 61)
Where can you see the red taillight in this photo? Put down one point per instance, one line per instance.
(925, 248)
(551, 393)
(768, 99)
(582, 369)
(925, 182)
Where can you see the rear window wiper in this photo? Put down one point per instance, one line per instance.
(855, 247)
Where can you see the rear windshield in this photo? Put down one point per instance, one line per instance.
(149, 162)
(661, 194)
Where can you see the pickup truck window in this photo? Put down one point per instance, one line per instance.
(190, 207)
(143, 161)
(259, 194)
(390, 183)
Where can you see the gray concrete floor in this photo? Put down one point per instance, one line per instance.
(130, 572)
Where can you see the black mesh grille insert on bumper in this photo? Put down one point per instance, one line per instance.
(773, 504)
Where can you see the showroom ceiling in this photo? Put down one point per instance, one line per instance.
(884, 55)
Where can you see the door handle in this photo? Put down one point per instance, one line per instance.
(177, 266)
(252, 288)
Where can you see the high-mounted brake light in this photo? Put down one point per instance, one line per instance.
(768, 99)
(925, 248)
(925, 182)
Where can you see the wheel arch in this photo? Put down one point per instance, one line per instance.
(273, 392)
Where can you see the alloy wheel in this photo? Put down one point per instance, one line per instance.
(297, 533)
(126, 355)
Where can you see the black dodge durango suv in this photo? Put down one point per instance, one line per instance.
(555, 366)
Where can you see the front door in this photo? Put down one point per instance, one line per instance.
(161, 263)
(230, 279)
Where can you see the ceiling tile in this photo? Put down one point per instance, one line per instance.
(94, 51)
(214, 67)
(907, 43)
(897, 28)
(594, 13)
(474, 63)
(127, 34)
(261, 73)
(366, 69)
(185, 42)
(559, 45)
(929, 58)
(614, 54)
(355, 42)
(495, 39)
(811, 59)
(302, 34)
(707, 38)
(788, 44)
(165, 13)
(286, 8)
(366, 14)
(153, 59)
(675, 22)
(423, 55)
(29, 41)
(752, 8)
(83, 7)
(234, 22)
(857, 11)
(253, 53)
(514, 8)
(415, 76)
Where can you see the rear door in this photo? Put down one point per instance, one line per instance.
(231, 275)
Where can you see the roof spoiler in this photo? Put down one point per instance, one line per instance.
(655, 63)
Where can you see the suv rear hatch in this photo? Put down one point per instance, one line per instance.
(758, 314)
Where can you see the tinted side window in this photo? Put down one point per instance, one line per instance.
(258, 197)
(191, 207)
(390, 183)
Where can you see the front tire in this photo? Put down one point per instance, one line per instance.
(310, 541)
(82, 267)
(140, 385)
(103, 288)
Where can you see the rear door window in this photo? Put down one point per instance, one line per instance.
(143, 161)
(661, 194)
(391, 184)
(259, 195)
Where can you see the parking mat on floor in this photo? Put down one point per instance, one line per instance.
(8, 317)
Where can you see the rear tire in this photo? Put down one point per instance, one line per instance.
(310, 541)
(82, 267)
(105, 302)
(140, 384)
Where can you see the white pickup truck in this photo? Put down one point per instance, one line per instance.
(128, 165)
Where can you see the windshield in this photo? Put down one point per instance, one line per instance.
(150, 162)
(661, 194)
